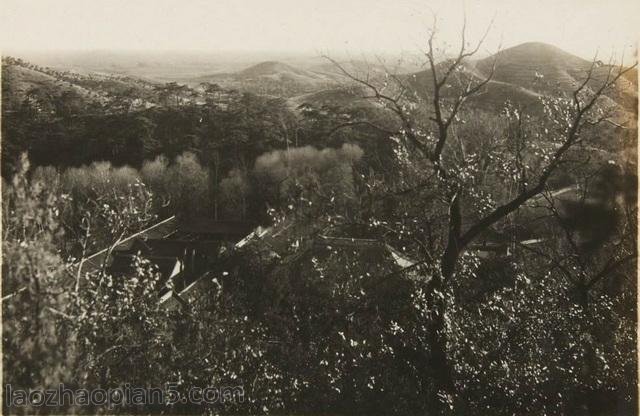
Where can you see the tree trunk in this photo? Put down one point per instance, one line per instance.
(214, 182)
(590, 359)
(443, 393)
(439, 363)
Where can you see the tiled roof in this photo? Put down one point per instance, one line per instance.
(223, 229)
(162, 229)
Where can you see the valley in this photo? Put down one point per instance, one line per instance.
(361, 236)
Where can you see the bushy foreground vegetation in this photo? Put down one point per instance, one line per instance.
(520, 299)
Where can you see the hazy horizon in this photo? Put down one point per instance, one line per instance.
(287, 27)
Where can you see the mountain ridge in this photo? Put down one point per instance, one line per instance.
(523, 73)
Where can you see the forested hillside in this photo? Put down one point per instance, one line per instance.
(457, 240)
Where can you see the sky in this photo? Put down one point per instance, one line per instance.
(311, 26)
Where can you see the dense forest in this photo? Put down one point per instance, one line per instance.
(507, 197)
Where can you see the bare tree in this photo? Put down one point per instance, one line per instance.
(570, 116)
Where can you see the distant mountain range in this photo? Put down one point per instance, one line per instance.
(523, 74)
(285, 80)
(526, 72)
(269, 78)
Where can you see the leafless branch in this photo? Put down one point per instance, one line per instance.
(571, 138)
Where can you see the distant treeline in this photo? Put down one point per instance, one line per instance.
(63, 127)
(305, 177)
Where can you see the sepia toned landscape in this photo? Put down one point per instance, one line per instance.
(442, 227)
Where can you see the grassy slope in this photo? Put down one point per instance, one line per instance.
(21, 80)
